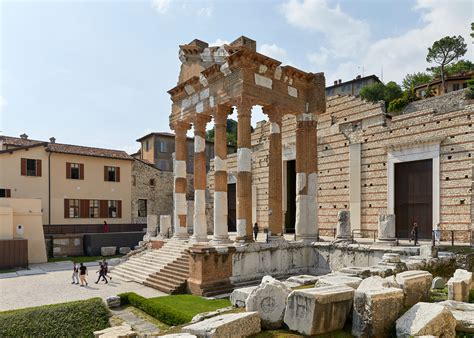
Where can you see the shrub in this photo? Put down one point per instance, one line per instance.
(124, 298)
(397, 104)
(470, 91)
(72, 319)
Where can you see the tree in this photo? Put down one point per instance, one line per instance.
(412, 80)
(378, 91)
(472, 29)
(444, 51)
(231, 131)
(462, 66)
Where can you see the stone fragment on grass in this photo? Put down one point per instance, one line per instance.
(229, 325)
(124, 250)
(459, 285)
(416, 285)
(318, 310)
(438, 283)
(269, 300)
(376, 283)
(463, 313)
(336, 279)
(108, 250)
(303, 279)
(113, 301)
(239, 296)
(425, 319)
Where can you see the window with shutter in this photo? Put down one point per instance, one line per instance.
(5, 193)
(94, 208)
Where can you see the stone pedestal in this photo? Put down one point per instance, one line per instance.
(165, 225)
(459, 285)
(416, 285)
(210, 269)
(318, 310)
(386, 229)
(343, 225)
(151, 225)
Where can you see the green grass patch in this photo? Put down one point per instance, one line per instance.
(72, 319)
(302, 287)
(8, 270)
(81, 259)
(175, 309)
(457, 249)
(438, 295)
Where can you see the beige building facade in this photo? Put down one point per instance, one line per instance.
(76, 185)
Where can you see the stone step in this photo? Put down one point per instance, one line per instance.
(165, 286)
(129, 275)
(171, 273)
(159, 287)
(166, 279)
(179, 268)
(141, 269)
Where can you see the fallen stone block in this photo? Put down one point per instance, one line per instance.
(108, 251)
(459, 285)
(391, 258)
(381, 270)
(318, 310)
(113, 301)
(428, 251)
(303, 279)
(180, 335)
(438, 283)
(425, 319)
(229, 325)
(124, 250)
(238, 297)
(291, 285)
(331, 280)
(375, 311)
(269, 300)
(416, 285)
(357, 271)
(123, 330)
(463, 313)
(376, 283)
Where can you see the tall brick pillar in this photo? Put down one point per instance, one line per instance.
(306, 226)
(221, 234)
(200, 223)
(180, 204)
(275, 209)
(244, 172)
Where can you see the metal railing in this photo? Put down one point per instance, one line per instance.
(361, 232)
(450, 235)
(331, 231)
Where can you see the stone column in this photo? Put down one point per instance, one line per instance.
(200, 223)
(221, 235)
(306, 226)
(275, 210)
(244, 173)
(180, 205)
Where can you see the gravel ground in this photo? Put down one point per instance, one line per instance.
(55, 287)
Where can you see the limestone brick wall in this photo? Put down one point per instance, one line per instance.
(159, 195)
(350, 120)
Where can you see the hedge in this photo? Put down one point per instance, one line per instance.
(72, 319)
(173, 310)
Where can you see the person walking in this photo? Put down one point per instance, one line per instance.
(255, 230)
(105, 227)
(106, 269)
(75, 274)
(101, 272)
(82, 274)
(414, 233)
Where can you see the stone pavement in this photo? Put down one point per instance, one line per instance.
(139, 325)
(55, 287)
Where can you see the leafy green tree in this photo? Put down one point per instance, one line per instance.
(412, 80)
(231, 131)
(472, 29)
(392, 91)
(379, 91)
(444, 51)
(470, 91)
(462, 66)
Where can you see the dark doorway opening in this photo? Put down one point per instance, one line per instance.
(414, 198)
(290, 214)
(231, 207)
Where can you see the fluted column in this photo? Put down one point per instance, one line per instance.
(180, 204)
(275, 209)
(200, 223)
(306, 226)
(244, 172)
(221, 235)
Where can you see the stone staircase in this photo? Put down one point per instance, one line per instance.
(165, 269)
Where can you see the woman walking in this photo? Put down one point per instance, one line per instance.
(82, 274)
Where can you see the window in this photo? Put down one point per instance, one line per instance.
(94, 209)
(5, 193)
(30, 167)
(163, 165)
(456, 86)
(73, 208)
(142, 208)
(134, 180)
(112, 209)
(152, 182)
(75, 171)
(112, 174)
(162, 146)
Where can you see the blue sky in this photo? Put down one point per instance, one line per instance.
(96, 72)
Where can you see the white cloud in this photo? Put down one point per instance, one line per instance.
(219, 42)
(206, 12)
(161, 6)
(274, 52)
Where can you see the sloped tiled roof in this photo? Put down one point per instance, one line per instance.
(66, 148)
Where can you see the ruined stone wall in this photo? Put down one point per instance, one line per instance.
(159, 195)
(351, 121)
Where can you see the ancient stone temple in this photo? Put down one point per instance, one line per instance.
(212, 81)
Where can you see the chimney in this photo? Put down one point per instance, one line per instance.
(24, 136)
(358, 77)
(339, 81)
(335, 82)
(52, 140)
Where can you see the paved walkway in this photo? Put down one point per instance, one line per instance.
(139, 325)
(55, 287)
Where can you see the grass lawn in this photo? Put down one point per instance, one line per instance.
(81, 259)
(72, 319)
(7, 270)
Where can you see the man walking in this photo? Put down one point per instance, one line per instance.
(106, 268)
(255, 230)
(101, 274)
(414, 233)
(82, 274)
(75, 274)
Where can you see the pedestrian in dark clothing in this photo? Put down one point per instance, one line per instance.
(105, 227)
(255, 230)
(106, 268)
(82, 274)
(102, 274)
(414, 233)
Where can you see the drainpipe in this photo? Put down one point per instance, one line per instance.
(49, 188)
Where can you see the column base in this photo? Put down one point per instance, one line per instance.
(181, 236)
(387, 241)
(243, 240)
(307, 238)
(276, 238)
(198, 239)
(216, 240)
